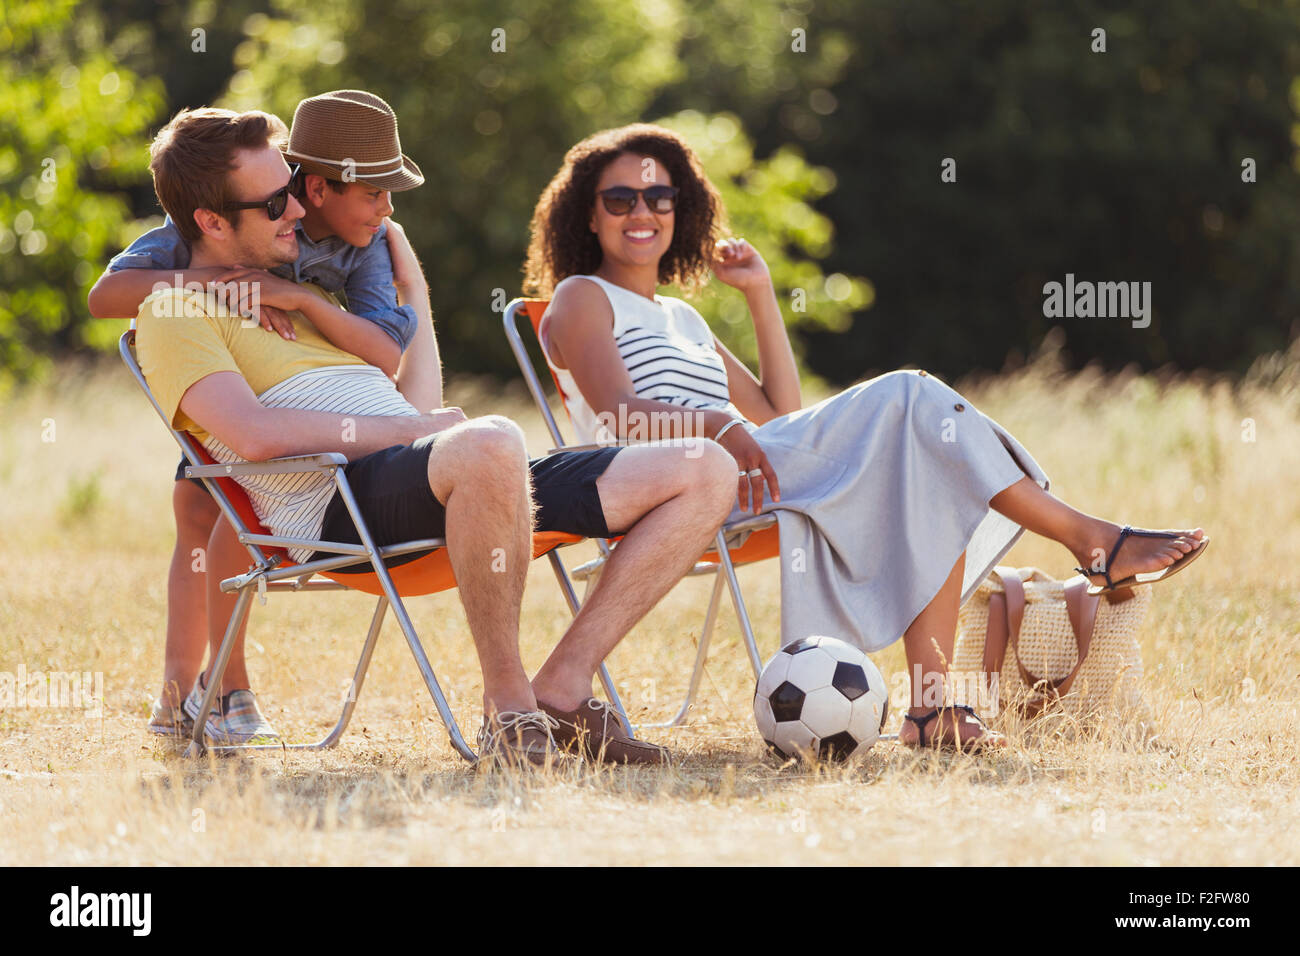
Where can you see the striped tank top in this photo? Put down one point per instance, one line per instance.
(669, 353)
(294, 505)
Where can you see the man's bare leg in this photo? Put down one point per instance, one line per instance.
(670, 504)
(479, 471)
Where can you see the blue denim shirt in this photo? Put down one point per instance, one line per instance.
(364, 276)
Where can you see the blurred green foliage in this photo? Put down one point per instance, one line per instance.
(824, 123)
(769, 203)
(71, 125)
(489, 127)
(1123, 165)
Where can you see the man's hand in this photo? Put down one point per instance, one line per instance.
(750, 457)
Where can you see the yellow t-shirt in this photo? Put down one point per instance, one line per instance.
(182, 337)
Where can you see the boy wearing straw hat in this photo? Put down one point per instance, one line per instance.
(348, 158)
(246, 395)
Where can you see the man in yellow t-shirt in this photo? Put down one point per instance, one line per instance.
(246, 394)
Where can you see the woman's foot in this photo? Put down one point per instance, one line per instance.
(955, 727)
(1139, 554)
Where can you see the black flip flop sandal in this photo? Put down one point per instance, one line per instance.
(1144, 577)
(974, 745)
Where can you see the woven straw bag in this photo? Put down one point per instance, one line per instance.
(1051, 645)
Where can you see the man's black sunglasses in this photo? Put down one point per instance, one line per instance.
(621, 200)
(279, 200)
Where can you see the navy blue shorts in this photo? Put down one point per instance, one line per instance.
(391, 487)
(180, 476)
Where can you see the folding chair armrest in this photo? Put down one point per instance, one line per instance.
(752, 523)
(737, 533)
(293, 465)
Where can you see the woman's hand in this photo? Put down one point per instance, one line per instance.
(739, 265)
(754, 468)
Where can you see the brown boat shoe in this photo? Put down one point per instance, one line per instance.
(518, 739)
(595, 731)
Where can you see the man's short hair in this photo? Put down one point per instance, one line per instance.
(192, 156)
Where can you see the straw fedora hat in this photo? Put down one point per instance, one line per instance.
(351, 136)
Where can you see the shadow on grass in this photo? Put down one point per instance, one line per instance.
(376, 783)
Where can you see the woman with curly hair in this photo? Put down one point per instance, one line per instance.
(896, 495)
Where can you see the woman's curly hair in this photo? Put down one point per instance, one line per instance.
(562, 243)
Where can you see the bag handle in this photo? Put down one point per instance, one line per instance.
(1006, 616)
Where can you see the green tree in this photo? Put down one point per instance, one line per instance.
(490, 94)
(769, 203)
(1122, 165)
(71, 124)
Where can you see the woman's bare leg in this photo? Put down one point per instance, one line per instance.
(928, 643)
(1089, 539)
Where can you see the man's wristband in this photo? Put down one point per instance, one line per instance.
(723, 430)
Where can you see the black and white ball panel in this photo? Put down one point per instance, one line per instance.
(820, 696)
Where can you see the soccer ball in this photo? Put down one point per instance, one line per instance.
(820, 696)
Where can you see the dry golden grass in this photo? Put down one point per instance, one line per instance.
(87, 532)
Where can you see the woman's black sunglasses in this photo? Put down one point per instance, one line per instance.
(279, 200)
(621, 200)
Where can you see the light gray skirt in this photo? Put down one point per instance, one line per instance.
(883, 486)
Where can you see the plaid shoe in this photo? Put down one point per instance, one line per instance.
(235, 719)
(168, 721)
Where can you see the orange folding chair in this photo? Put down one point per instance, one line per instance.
(741, 542)
(272, 570)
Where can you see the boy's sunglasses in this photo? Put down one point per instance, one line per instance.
(279, 200)
(621, 200)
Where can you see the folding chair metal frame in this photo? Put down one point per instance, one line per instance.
(270, 571)
(740, 542)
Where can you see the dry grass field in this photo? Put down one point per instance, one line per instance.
(86, 533)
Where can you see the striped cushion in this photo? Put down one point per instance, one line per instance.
(294, 505)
